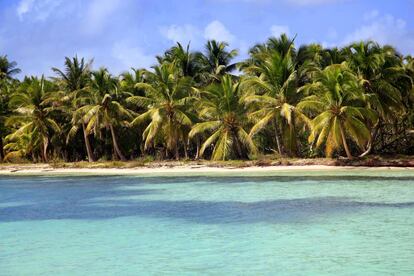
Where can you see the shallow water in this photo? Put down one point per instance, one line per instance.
(352, 224)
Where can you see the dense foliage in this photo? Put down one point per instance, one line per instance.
(305, 102)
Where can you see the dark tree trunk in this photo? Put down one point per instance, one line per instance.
(186, 150)
(370, 142)
(91, 158)
(345, 144)
(115, 144)
(177, 153)
(176, 148)
(1, 150)
(238, 147)
(279, 146)
(197, 156)
(293, 138)
(44, 150)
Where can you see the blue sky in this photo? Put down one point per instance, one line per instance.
(128, 33)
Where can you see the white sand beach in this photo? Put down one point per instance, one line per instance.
(44, 169)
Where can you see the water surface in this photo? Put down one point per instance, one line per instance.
(315, 224)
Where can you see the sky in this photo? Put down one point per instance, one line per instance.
(121, 34)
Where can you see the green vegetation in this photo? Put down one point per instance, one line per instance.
(281, 101)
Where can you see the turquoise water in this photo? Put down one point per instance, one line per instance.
(354, 224)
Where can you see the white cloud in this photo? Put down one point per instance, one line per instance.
(98, 13)
(131, 56)
(216, 30)
(95, 12)
(371, 15)
(183, 34)
(24, 7)
(326, 44)
(37, 9)
(277, 30)
(385, 30)
(190, 33)
(198, 36)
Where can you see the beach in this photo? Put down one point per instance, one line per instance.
(191, 169)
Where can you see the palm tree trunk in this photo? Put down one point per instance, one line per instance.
(177, 149)
(348, 152)
(115, 144)
(198, 148)
(238, 147)
(1, 150)
(370, 142)
(44, 151)
(91, 158)
(186, 150)
(279, 146)
(293, 138)
(177, 153)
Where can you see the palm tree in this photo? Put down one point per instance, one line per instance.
(311, 53)
(273, 79)
(8, 68)
(128, 80)
(104, 109)
(167, 103)
(188, 63)
(216, 60)
(283, 45)
(5, 88)
(381, 70)
(7, 71)
(336, 100)
(224, 117)
(32, 120)
(408, 99)
(74, 79)
(333, 56)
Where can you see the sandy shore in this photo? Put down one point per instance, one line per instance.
(194, 170)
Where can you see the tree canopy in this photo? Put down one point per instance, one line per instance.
(283, 100)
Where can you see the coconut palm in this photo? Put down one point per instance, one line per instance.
(74, 80)
(408, 97)
(382, 73)
(307, 58)
(168, 115)
(8, 68)
(128, 80)
(188, 63)
(311, 53)
(378, 67)
(336, 100)
(5, 91)
(333, 56)
(224, 117)
(273, 80)
(104, 108)
(33, 119)
(216, 60)
(283, 45)
(281, 95)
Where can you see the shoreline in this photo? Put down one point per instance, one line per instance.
(192, 169)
